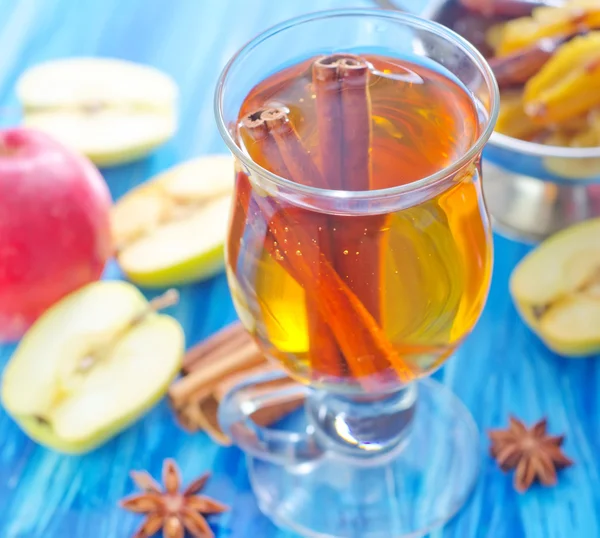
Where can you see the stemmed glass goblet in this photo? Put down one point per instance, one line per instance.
(359, 290)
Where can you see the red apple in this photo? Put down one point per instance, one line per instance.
(54, 226)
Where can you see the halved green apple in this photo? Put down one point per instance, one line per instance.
(113, 111)
(90, 366)
(171, 230)
(556, 289)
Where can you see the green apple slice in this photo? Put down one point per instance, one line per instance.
(172, 229)
(90, 366)
(556, 289)
(573, 325)
(113, 111)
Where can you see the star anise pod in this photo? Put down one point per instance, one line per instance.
(533, 453)
(169, 509)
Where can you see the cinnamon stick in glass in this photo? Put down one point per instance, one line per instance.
(280, 145)
(358, 335)
(341, 87)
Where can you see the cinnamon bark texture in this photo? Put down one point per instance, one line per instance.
(517, 68)
(211, 369)
(281, 145)
(341, 86)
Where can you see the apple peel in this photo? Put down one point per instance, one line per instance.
(55, 231)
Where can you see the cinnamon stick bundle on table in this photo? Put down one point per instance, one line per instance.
(212, 368)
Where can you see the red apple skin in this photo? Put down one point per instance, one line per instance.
(54, 226)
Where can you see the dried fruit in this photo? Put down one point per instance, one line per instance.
(567, 86)
(517, 68)
(512, 120)
(467, 23)
(547, 65)
(574, 17)
(580, 132)
(505, 8)
(588, 136)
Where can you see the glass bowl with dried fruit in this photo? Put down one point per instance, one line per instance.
(542, 164)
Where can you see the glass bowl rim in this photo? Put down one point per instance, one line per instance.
(533, 149)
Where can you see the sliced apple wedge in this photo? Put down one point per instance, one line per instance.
(556, 289)
(91, 365)
(172, 229)
(113, 111)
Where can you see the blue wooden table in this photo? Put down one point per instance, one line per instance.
(501, 369)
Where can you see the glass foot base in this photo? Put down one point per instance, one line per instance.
(420, 488)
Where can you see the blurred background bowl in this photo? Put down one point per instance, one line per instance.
(532, 190)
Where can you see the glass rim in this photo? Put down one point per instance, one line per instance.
(412, 20)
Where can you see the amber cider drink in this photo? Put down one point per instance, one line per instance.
(353, 302)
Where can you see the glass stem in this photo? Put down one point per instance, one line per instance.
(364, 429)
